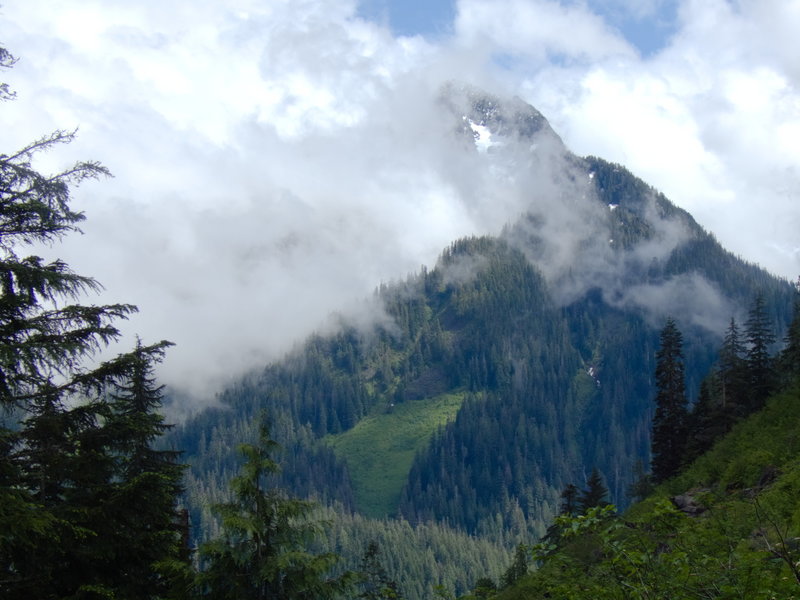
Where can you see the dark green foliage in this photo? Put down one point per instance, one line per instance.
(669, 422)
(759, 334)
(485, 587)
(88, 507)
(707, 422)
(261, 551)
(730, 377)
(143, 530)
(642, 485)
(518, 568)
(790, 357)
(739, 382)
(569, 500)
(375, 583)
(738, 542)
(548, 385)
(109, 498)
(595, 494)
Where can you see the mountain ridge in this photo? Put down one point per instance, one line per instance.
(547, 331)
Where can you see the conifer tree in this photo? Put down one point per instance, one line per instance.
(485, 587)
(375, 583)
(669, 422)
(706, 423)
(790, 356)
(642, 484)
(760, 336)
(595, 494)
(262, 551)
(518, 567)
(569, 500)
(58, 463)
(731, 376)
(142, 510)
(43, 339)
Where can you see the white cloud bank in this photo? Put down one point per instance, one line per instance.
(274, 161)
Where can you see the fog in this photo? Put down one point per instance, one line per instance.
(274, 162)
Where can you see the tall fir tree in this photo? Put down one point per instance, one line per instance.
(59, 464)
(668, 442)
(760, 336)
(142, 513)
(262, 552)
(707, 423)
(43, 339)
(595, 494)
(518, 567)
(569, 500)
(730, 376)
(375, 583)
(790, 356)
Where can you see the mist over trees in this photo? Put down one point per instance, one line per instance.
(496, 382)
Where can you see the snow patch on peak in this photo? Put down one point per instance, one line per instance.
(482, 135)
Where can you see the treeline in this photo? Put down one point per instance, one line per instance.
(418, 558)
(717, 522)
(88, 504)
(745, 374)
(90, 501)
(91, 495)
(549, 389)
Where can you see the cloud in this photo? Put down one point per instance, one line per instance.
(711, 120)
(537, 30)
(272, 166)
(689, 297)
(275, 161)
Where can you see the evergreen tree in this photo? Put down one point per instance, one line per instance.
(642, 485)
(706, 423)
(518, 567)
(790, 356)
(485, 587)
(143, 533)
(569, 500)
(760, 336)
(669, 422)
(731, 377)
(595, 494)
(262, 551)
(375, 582)
(59, 467)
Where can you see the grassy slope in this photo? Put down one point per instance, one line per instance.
(768, 439)
(379, 450)
(740, 547)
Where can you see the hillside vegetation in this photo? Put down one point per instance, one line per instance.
(379, 450)
(491, 380)
(738, 536)
(728, 526)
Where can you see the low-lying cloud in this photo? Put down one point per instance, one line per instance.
(274, 162)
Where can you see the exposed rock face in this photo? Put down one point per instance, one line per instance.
(690, 502)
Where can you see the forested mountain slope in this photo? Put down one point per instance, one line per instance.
(726, 527)
(514, 365)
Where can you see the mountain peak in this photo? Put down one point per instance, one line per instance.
(488, 119)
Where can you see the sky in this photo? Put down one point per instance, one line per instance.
(275, 160)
